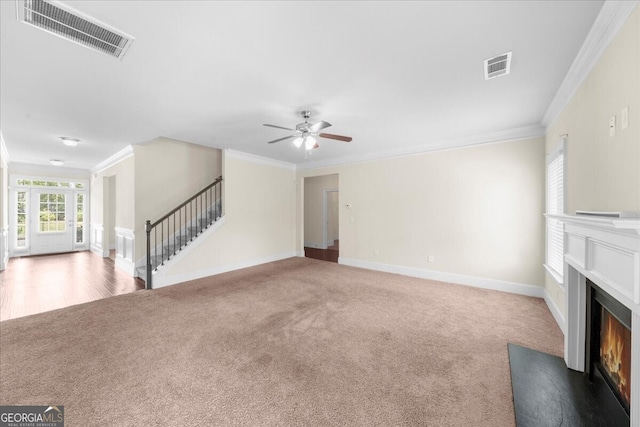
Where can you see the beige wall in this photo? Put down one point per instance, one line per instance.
(168, 172)
(603, 172)
(313, 208)
(476, 210)
(259, 220)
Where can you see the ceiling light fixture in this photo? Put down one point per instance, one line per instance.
(298, 142)
(56, 162)
(309, 142)
(70, 142)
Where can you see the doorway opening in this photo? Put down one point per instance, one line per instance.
(322, 217)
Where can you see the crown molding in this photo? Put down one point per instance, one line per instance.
(611, 18)
(118, 157)
(254, 158)
(527, 132)
(4, 154)
(41, 170)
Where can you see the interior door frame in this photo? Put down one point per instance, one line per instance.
(325, 215)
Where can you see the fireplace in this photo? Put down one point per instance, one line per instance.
(602, 304)
(608, 350)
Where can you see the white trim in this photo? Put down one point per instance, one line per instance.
(162, 278)
(219, 269)
(558, 279)
(611, 18)
(325, 217)
(4, 247)
(4, 154)
(555, 312)
(59, 173)
(96, 238)
(527, 132)
(125, 153)
(240, 155)
(212, 271)
(476, 282)
(125, 250)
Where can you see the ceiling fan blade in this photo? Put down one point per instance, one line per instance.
(336, 137)
(278, 127)
(316, 127)
(315, 146)
(281, 139)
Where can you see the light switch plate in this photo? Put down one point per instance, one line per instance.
(612, 126)
(624, 118)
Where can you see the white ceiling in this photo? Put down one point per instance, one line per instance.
(395, 76)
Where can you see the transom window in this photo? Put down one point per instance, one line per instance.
(42, 183)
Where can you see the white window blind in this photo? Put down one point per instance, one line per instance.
(555, 206)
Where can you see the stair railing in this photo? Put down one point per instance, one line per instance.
(174, 230)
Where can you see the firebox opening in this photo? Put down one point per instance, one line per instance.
(609, 343)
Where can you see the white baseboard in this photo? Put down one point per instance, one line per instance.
(555, 312)
(104, 253)
(126, 265)
(4, 248)
(162, 281)
(476, 282)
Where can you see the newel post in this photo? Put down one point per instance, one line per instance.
(147, 228)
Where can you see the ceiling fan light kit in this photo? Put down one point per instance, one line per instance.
(305, 133)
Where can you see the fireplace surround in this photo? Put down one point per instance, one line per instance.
(605, 251)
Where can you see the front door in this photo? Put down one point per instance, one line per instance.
(52, 226)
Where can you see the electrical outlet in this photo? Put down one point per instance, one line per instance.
(431, 258)
(612, 125)
(624, 118)
(376, 252)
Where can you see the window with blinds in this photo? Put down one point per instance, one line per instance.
(555, 206)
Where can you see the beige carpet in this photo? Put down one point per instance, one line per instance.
(295, 342)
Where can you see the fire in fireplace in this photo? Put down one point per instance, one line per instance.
(609, 343)
(615, 353)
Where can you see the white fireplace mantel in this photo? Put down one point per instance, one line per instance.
(607, 252)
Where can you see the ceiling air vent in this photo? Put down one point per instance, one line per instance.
(63, 21)
(497, 66)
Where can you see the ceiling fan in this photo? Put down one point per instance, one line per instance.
(305, 133)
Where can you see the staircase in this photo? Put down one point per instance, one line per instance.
(167, 236)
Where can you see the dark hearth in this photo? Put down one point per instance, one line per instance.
(546, 393)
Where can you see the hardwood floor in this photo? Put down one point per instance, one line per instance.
(36, 284)
(329, 254)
